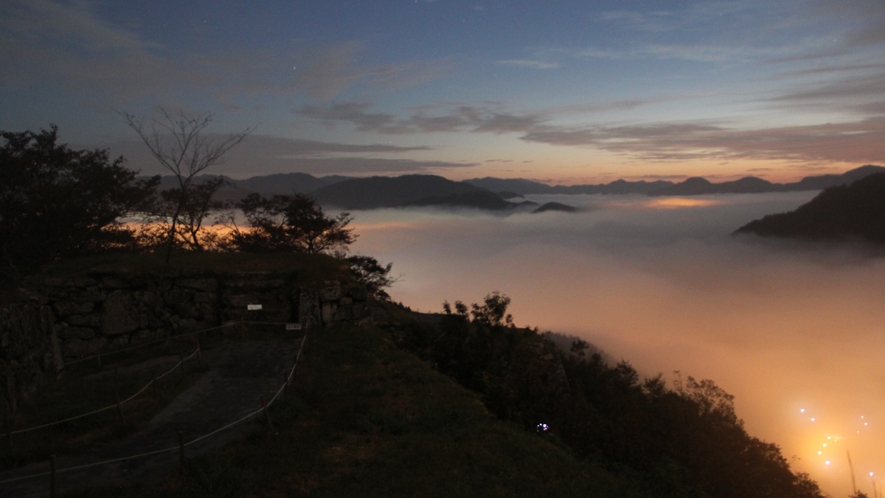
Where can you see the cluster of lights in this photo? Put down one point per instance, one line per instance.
(828, 444)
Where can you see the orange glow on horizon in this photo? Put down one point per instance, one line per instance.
(681, 202)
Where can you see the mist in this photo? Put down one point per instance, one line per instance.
(792, 331)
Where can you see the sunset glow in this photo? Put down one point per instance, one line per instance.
(572, 93)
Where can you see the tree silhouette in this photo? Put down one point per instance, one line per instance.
(56, 202)
(290, 224)
(180, 144)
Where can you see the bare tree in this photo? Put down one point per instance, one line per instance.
(179, 143)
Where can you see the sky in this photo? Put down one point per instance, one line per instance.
(564, 92)
(793, 331)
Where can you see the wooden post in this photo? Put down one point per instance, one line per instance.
(52, 476)
(266, 412)
(181, 448)
(119, 409)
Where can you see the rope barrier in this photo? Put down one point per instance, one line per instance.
(173, 448)
(130, 398)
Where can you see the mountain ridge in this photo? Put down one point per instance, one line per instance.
(489, 192)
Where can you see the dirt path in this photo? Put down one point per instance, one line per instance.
(240, 374)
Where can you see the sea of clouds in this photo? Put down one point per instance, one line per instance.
(662, 283)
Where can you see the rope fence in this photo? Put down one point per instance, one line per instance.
(53, 471)
(110, 407)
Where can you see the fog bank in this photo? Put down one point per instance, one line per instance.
(662, 284)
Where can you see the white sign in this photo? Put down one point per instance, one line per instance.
(293, 326)
(253, 307)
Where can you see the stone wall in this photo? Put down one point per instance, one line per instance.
(64, 319)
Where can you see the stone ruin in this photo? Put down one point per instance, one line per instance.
(63, 319)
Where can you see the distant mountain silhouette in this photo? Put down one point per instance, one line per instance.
(701, 186)
(383, 191)
(288, 183)
(842, 212)
(555, 206)
(522, 186)
(753, 185)
(282, 184)
(428, 190)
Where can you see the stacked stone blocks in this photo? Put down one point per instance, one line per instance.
(62, 319)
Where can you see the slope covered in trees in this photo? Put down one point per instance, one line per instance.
(681, 441)
(843, 212)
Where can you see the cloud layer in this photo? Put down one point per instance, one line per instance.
(852, 142)
(666, 288)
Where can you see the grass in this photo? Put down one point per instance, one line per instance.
(87, 388)
(366, 419)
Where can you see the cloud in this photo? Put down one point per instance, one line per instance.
(463, 118)
(528, 64)
(780, 326)
(68, 44)
(55, 22)
(264, 154)
(327, 71)
(855, 142)
(44, 40)
(836, 92)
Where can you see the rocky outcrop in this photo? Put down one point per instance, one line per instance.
(66, 319)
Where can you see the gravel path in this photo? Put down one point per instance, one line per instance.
(239, 375)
